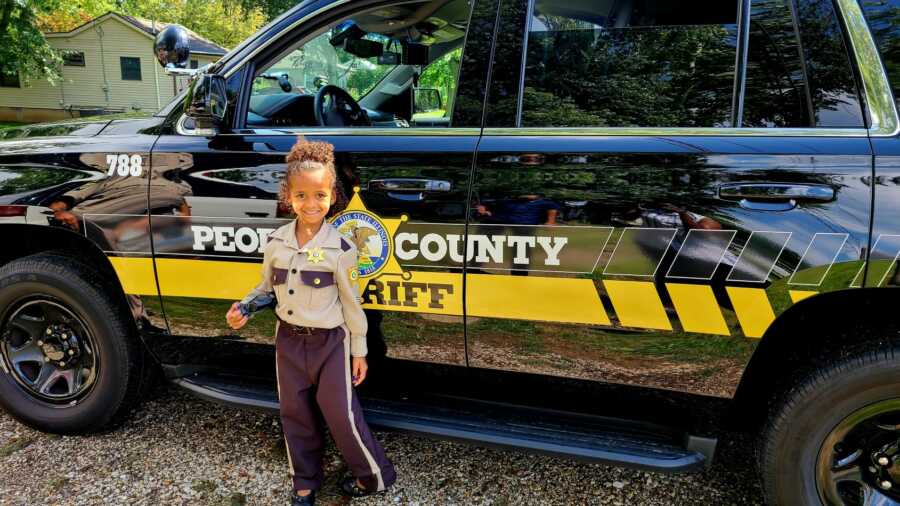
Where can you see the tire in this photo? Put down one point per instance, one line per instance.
(106, 334)
(804, 429)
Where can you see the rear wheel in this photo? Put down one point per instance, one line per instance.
(835, 437)
(71, 360)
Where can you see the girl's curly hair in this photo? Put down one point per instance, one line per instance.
(307, 156)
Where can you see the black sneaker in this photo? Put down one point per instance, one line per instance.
(351, 488)
(306, 500)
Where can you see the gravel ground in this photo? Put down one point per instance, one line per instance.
(178, 449)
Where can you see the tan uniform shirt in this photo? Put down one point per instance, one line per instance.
(315, 285)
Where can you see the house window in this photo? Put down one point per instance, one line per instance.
(74, 59)
(9, 80)
(195, 64)
(131, 68)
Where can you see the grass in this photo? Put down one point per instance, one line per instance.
(57, 483)
(537, 337)
(437, 113)
(204, 486)
(14, 445)
(10, 124)
(207, 317)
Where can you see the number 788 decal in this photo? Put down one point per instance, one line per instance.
(125, 165)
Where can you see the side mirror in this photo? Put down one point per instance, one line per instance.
(206, 102)
(427, 100)
(172, 48)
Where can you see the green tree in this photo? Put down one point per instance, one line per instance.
(23, 49)
(441, 74)
(212, 19)
(72, 13)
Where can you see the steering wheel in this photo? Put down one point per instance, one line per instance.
(335, 107)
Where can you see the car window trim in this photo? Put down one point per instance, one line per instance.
(529, 14)
(878, 97)
(676, 131)
(740, 63)
(362, 131)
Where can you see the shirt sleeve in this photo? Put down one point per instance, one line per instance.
(351, 303)
(265, 285)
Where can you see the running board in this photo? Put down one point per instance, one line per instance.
(589, 438)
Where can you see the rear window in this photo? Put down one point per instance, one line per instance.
(655, 63)
(624, 64)
(798, 68)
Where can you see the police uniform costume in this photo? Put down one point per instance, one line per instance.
(321, 325)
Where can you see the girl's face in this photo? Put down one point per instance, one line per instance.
(312, 194)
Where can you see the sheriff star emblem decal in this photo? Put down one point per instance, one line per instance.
(315, 255)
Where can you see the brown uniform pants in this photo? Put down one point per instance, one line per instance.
(314, 383)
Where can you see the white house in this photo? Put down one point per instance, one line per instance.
(110, 68)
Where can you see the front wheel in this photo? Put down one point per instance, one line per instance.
(835, 437)
(70, 361)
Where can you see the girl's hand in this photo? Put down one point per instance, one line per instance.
(359, 368)
(234, 317)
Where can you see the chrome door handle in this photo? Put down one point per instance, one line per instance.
(409, 185)
(769, 192)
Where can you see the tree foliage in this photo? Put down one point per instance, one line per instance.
(23, 49)
(225, 22)
(212, 19)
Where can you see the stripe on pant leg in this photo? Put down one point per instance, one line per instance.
(278, 387)
(373, 466)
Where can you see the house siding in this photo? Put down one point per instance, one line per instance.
(83, 87)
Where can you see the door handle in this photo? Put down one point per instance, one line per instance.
(774, 196)
(409, 189)
(409, 185)
(777, 191)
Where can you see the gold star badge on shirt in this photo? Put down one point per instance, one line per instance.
(315, 255)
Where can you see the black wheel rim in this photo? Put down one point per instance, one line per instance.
(49, 351)
(859, 460)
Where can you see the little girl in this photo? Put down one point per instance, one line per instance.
(312, 270)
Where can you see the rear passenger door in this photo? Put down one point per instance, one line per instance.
(656, 182)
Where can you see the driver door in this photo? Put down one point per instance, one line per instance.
(398, 181)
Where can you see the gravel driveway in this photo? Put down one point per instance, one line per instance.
(177, 449)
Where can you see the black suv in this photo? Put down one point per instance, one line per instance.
(611, 229)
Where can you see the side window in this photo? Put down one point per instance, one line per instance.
(387, 67)
(798, 71)
(646, 63)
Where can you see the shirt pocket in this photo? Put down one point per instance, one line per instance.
(318, 289)
(279, 282)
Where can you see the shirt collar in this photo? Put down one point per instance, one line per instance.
(326, 237)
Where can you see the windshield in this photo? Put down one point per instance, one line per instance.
(318, 63)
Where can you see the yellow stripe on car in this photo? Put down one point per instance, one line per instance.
(697, 308)
(637, 304)
(753, 310)
(136, 274)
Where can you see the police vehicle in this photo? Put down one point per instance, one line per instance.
(609, 229)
